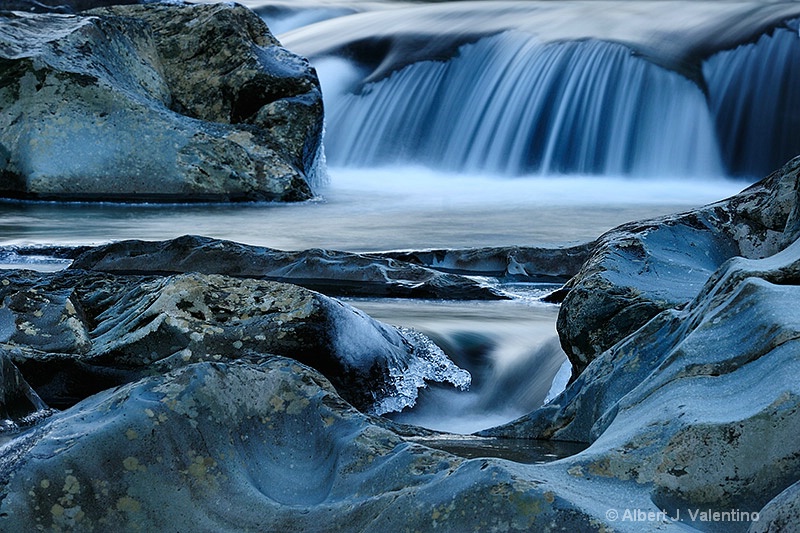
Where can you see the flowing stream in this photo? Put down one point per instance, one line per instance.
(472, 124)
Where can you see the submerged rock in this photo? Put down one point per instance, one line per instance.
(134, 326)
(334, 273)
(640, 269)
(154, 103)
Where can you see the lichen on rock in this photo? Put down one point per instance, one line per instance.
(133, 103)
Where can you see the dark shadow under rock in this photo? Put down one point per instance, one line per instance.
(20, 406)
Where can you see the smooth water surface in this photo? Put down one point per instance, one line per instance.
(381, 209)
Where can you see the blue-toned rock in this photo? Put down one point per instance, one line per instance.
(156, 102)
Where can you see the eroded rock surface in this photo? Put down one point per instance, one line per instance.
(269, 447)
(331, 272)
(640, 269)
(135, 103)
(512, 263)
(700, 405)
(76, 333)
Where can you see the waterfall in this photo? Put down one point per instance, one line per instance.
(754, 96)
(510, 105)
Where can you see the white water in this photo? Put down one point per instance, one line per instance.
(381, 209)
(510, 105)
(547, 137)
(510, 348)
(754, 95)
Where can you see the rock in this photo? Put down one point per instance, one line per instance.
(269, 447)
(512, 263)
(331, 272)
(20, 406)
(99, 106)
(781, 513)
(47, 320)
(640, 269)
(63, 6)
(700, 406)
(133, 326)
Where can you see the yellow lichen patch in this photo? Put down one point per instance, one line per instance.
(277, 403)
(601, 468)
(131, 434)
(71, 485)
(576, 471)
(549, 497)
(297, 405)
(132, 465)
(204, 469)
(128, 504)
(45, 483)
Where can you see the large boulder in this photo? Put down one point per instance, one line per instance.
(84, 332)
(701, 406)
(269, 447)
(642, 268)
(155, 103)
(331, 272)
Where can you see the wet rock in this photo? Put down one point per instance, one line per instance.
(270, 447)
(63, 6)
(782, 513)
(334, 273)
(135, 326)
(20, 406)
(108, 105)
(700, 404)
(42, 318)
(511, 263)
(640, 269)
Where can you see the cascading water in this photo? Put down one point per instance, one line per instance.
(754, 95)
(510, 348)
(510, 105)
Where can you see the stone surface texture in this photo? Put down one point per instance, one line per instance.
(269, 447)
(640, 269)
(157, 102)
(334, 273)
(74, 331)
